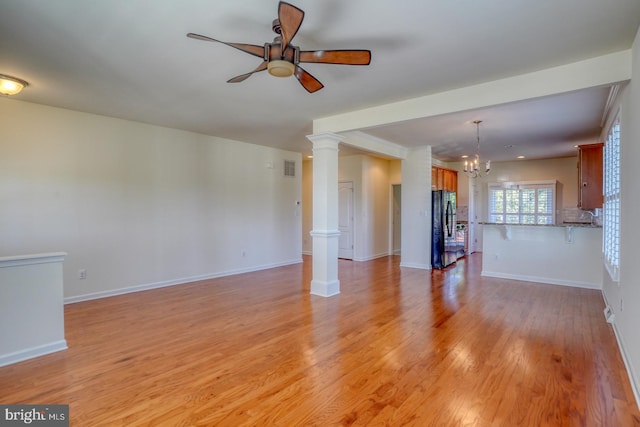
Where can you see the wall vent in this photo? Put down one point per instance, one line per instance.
(608, 314)
(289, 168)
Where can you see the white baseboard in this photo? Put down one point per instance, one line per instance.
(325, 289)
(633, 378)
(372, 257)
(537, 279)
(414, 265)
(30, 353)
(635, 386)
(164, 284)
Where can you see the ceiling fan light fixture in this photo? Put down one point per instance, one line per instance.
(280, 68)
(11, 85)
(282, 59)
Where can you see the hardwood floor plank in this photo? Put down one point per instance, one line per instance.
(397, 347)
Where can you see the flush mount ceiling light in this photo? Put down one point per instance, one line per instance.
(11, 85)
(279, 68)
(472, 168)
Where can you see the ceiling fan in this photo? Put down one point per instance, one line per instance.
(282, 59)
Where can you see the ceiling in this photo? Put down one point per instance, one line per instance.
(131, 59)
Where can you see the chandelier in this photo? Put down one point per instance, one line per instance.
(472, 167)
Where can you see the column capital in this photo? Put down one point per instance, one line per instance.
(325, 139)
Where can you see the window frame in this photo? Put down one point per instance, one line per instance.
(612, 200)
(522, 185)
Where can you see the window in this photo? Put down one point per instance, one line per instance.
(611, 224)
(522, 202)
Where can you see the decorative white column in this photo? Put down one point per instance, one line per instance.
(325, 231)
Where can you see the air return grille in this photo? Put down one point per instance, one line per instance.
(289, 168)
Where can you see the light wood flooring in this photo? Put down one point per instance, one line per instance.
(397, 347)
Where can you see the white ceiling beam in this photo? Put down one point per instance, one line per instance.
(373, 144)
(594, 72)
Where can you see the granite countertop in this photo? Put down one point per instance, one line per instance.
(564, 224)
(580, 224)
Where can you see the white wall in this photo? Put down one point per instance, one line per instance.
(372, 178)
(569, 256)
(307, 206)
(375, 211)
(371, 186)
(624, 296)
(416, 209)
(350, 170)
(139, 205)
(564, 170)
(395, 171)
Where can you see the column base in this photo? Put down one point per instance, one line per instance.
(325, 289)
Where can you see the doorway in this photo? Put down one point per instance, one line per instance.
(396, 218)
(345, 219)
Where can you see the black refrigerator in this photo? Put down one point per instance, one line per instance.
(443, 240)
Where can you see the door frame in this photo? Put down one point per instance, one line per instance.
(392, 218)
(352, 220)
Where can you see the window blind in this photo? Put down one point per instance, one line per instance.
(522, 203)
(611, 224)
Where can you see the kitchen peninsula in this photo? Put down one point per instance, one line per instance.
(564, 254)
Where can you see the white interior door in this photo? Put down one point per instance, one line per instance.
(345, 219)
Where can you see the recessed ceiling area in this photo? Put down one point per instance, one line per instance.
(540, 128)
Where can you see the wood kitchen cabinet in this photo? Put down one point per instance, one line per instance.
(444, 179)
(590, 176)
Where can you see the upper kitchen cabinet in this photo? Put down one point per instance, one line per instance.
(590, 176)
(444, 179)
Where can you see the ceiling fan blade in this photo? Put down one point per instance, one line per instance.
(290, 18)
(310, 83)
(243, 77)
(346, 57)
(252, 49)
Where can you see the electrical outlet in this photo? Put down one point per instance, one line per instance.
(82, 274)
